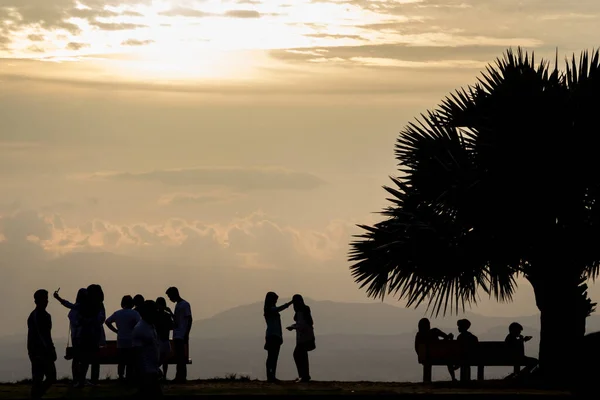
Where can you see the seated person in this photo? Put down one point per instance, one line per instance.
(427, 334)
(516, 341)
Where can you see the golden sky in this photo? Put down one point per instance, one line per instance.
(239, 135)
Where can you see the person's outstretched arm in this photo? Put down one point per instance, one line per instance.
(281, 308)
(65, 303)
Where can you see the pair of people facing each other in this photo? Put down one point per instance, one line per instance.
(305, 335)
(514, 339)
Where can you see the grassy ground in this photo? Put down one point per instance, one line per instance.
(243, 387)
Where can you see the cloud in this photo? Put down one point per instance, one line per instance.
(136, 42)
(239, 178)
(36, 38)
(111, 26)
(76, 46)
(242, 14)
(186, 12)
(186, 199)
(333, 36)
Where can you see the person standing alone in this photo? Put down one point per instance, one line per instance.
(181, 332)
(40, 346)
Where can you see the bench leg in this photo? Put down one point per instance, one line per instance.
(480, 370)
(465, 373)
(427, 373)
(516, 369)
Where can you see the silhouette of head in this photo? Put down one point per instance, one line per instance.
(127, 302)
(173, 294)
(463, 325)
(95, 294)
(149, 312)
(138, 300)
(270, 300)
(40, 298)
(81, 295)
(515, 328)
(161, 303)
(298, 302)
(424, 325)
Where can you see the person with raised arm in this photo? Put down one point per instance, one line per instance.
(274, 334)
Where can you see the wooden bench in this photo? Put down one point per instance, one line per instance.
(108, 355)
(480, 355)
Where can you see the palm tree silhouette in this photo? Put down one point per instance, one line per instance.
(500, 181)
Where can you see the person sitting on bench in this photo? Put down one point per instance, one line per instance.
(516, 341)
(427, 334)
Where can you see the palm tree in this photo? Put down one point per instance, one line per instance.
(500, 181)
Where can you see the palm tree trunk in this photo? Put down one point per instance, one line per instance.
(564, 307)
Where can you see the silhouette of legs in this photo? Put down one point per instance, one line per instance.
(452, 373)
(301, 359)
(125, 368)
(179, 347)
(41, 368)
(272, 357)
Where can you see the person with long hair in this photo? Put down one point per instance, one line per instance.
(164, 326)
(146, 345)
(74, 310)
(305, 337)
(426, 334)
(97, 296)
(274, 334)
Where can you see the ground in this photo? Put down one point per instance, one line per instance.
(112, 390)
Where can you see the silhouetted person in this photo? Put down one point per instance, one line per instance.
(427, 334)
(181, 331)
(40, 347)
(145, 342)
(91, 320)
(97, 295)
(516, 342)
(274, 334)
(138, 301)
(126, 319)
(305, 337)
(464, 336)
(73, 324)
(164, 326)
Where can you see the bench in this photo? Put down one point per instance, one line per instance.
(480, 355)
(108, 355)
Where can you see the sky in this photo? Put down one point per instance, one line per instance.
(245, 137)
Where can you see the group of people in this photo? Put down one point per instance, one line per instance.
(515, 340)
(143, 329)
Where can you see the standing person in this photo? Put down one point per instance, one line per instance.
(164, 326)
(305, 337)
(90, 327)
(73, 316)
(181, 332)
(145, 343)
(126, 319)
(427, 334)
(40, 347)
(97, 295)
(274, 334)
(138, 301)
